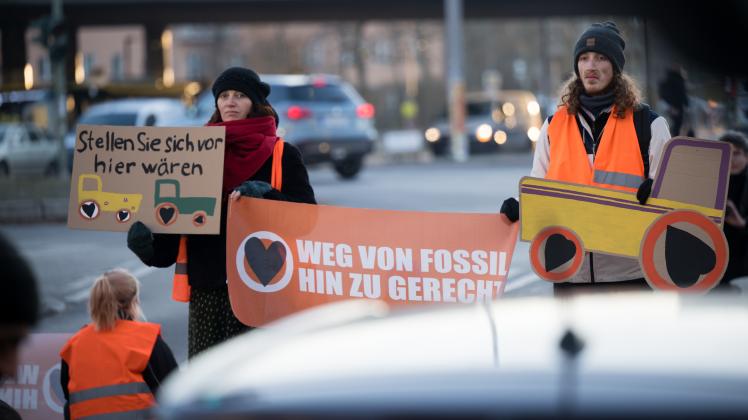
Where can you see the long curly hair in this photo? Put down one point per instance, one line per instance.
(626, 94)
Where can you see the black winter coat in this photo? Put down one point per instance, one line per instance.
(206, 254)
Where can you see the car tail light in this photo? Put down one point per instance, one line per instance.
(298, 112)
(365, 111)
(319, 82)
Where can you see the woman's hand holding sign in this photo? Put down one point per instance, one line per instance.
(256, 189)
(140, 241)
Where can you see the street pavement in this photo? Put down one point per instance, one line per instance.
(67, 261)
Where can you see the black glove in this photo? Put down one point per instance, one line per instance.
(510, 208)
(140, 241)
(256, 189)
(645, 189)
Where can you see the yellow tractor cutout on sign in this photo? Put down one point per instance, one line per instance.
(677, 235)
(92, 202)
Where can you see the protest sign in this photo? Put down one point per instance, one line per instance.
(676, 235)
(169, 178)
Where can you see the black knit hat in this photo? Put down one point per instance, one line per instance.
(603, 38)
(242, 80)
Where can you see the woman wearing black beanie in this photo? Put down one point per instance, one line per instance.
(250, 121)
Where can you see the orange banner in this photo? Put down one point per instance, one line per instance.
(285, 257)
(36, 392)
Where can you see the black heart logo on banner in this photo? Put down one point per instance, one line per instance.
(265, 262)
(558, 251)
(687, 257)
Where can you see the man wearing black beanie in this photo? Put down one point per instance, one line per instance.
(600, 118)
(603, 38)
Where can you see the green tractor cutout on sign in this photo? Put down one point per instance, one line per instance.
(168, 208)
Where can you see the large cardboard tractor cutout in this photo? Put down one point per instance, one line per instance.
(677, 236)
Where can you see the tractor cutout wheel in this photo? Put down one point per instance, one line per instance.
(684, 251)
(89, 209)
(199, 218)
(167, 213)
(556, 254)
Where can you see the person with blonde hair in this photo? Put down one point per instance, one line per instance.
(601, 135)
(115, 364)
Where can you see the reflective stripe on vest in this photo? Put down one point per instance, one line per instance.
(617, 164)
(109, 391)
(124, 415)
(618, 178)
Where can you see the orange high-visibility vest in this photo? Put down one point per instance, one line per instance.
(106, 370)
(180, 290)
(618, 161)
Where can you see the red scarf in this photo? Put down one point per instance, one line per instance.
(249, 144)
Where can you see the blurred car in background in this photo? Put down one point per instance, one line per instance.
(650, 355)
(322, 115)
(156, 112)
(27, 150)
(502, 120)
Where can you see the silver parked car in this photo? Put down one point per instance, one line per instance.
(157, 112)
(322, 115)
(629, 356)
(25, 149)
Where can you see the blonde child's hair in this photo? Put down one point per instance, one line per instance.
(114, 296)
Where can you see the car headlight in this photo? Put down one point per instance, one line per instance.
(483, 133)
(497, 115)
(533, 108)
(533, 133)
(499, 137)
(432, 135)
(508, 109)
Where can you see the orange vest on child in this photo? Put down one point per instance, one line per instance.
(106, 369)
